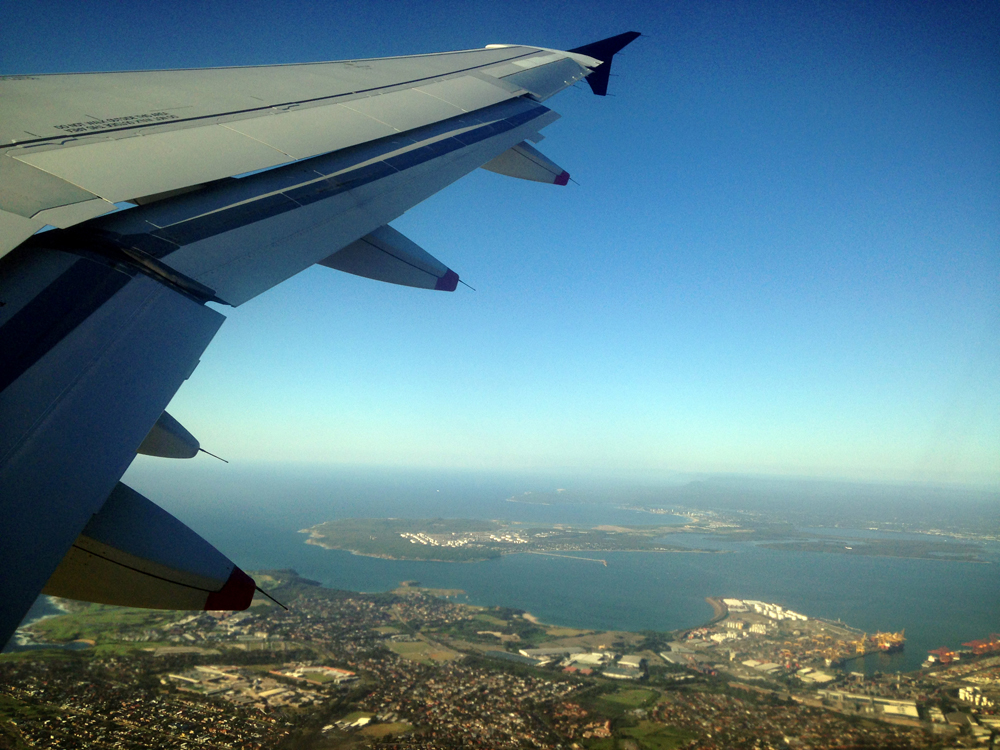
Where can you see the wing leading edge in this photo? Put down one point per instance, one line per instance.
(239, 178)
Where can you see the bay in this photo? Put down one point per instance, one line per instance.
(254, 515)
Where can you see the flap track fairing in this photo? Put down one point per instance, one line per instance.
(133, 553)
(528, 163)
(387, 255)
(169, 439)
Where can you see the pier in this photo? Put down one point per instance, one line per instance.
(570, 557)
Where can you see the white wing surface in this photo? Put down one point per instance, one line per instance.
(234, 180)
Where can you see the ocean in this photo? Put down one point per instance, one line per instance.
(255, 515)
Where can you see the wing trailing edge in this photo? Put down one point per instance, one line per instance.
(240, 237)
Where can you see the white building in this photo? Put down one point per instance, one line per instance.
(974, 696)
(632, 661)
(774, 611)
(593, 659)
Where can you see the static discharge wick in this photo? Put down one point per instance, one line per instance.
(269, 596)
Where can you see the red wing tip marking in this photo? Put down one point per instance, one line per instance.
(448, 282)
(236, 594)
(562, 179)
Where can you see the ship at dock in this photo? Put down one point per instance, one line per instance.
(890, 643)
(945, 655)
(879, 643)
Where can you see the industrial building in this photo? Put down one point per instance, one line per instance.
(632, 661)
(550, 653)
(872, 704)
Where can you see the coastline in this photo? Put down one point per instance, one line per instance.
(317, 540)
(23, 638)
(788, 547)
(747, 569)
(720, 611)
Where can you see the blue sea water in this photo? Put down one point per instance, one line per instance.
(255, 516)
(43, 607)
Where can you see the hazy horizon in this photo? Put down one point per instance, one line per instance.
(207, 482)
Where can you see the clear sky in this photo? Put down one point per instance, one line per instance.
(783, 255)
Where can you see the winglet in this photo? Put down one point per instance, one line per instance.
(604, 51)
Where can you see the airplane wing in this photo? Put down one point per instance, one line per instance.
(160, 191)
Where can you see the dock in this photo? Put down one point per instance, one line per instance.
(570, 557)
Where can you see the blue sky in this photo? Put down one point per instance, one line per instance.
(783, 255)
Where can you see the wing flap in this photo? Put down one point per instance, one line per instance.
(241, 237)
(25, 190)
(15, 229)
(75, 213)
(243, 262)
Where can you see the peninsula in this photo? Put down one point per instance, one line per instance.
(463, 540)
